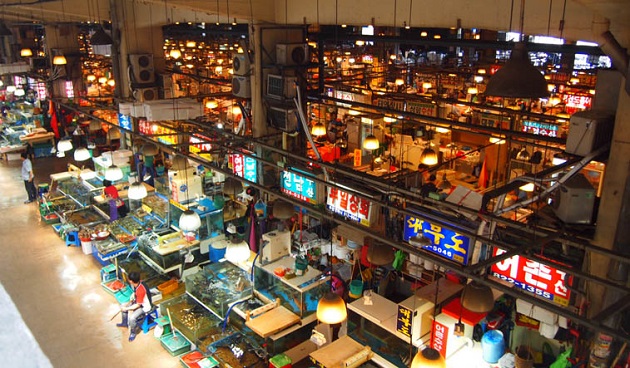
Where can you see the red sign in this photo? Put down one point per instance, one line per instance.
(238, 164)
(534, 277)
(348, 205)
(440, 337)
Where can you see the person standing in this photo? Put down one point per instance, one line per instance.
(140, 304)
(28, 177)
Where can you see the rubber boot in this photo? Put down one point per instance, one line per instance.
(124, 321)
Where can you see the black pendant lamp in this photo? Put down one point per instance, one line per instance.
(518, 78)
(100, 37)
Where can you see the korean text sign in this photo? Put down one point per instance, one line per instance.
(244, 166)
(299, 186)
(349, 206)
(445, 242)
(404, 320)
(532, 276)
(440, 337)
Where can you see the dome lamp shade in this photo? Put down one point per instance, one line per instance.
(331, 309)
(477, 298)
(137, 191)
(518, 78)
(371, 142)
(64, 145)
(113, 173)
(189, 221)
(428, 358)
(82, 154)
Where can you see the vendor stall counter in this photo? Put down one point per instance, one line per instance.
(167, 252)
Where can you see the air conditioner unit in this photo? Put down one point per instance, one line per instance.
(588, 131)
(574, 201)
(281, 118)
(241, 65)
(281, 87)
(241, 86)
(292, 54)
(142, 70)
(145, 94)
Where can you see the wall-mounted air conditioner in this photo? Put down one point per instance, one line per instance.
(145, 94)
(241, 65)
(282, 118)
(280, 87)
(292, 54)
(142, 70)
(588, 131)
(241, 86)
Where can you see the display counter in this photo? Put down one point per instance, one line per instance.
(343, 352)
(163, 252)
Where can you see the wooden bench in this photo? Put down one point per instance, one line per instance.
(4, 151)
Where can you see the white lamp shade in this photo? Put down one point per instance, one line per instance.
(429, 157)
(318, 129)
(82, 154)
(11, 89)
(137, 191)
(237, 252)
(19, 92)
(175, 54)
(26, 52)
(331, 309)
(64, 145)
(189, 221)
(113, 173)
(371, 142)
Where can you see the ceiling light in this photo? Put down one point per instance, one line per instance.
(82, 154)
(371, 142)
(331, 309)
(496, 140)
(380, 254)
(428, 157)
(428, 358)
(19, 92)
(283, 210)
(11, 89)
(359, 42)
(111, 82)
(426, 85)
(437, 37)
(91, 78)
(523, 155)
(237, 251)
(113, 173)
(64, 145)
(59, 60)
(318, 129)
(399, 81)
(518, 78)
(477, 298)
(481, 71)
(442, 130)
(423, 34)
(529, 187)
(137, 191)
(102, 80)
(212, 104)
(478, 78)
(445, 184)
(472, 90)
(175, 54)
(26, 52)
(191, 44)
(101, 38)
(189, 221)
(354, 112)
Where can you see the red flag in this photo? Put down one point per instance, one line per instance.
(54, 123)
(483, 176)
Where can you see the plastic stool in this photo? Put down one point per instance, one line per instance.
(150, 320)
(72, 238)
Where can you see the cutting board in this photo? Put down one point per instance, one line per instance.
(337, 352)
(174, 246)
(273, 321)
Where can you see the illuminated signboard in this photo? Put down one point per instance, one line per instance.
(349, 206)
(147, 128)
(426, 109)
(200, 145)
(440, 337)
(244, 166)
(576, 102)
(538, 128)
(124, 121)
(532, 276)
(391, 104)
(298, 186)
(445, 242)
(404, 320)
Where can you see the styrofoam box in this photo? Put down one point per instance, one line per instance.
(125, 108)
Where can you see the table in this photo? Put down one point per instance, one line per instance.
(4, 151)
(272, 321)
(39, 138)
(340, 351)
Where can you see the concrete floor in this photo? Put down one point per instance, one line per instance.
(57, 291)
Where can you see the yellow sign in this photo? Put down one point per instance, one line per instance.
(146, 208)
(357, 157)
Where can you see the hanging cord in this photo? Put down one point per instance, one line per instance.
(549, 18)
(564, 10)
(511, 14)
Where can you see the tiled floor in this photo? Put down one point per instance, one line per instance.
(56, 288)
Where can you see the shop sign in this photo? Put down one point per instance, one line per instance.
(349, 206)
(451, 81)
(538, 128)
(124, 121)
(244, 166)
(580, 102)
(298, 186)
(357, 157)
(42, 91)
(526, 321)
(533, 277)
(390, 103)
(426, 109)
(199, 144)
(445, 242)
(494, 121)
(440, 337)
(404, 320)
(148, 128)
(367, 59)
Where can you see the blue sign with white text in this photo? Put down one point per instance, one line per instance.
(299, 187)
(124, 121)
(445, 242)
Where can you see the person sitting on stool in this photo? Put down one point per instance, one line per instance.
(139, 305)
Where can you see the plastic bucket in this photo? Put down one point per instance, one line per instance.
(217, 251)
(492, 346)
(86, 246)
(356, 289)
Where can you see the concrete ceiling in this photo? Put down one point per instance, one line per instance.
(540, 16)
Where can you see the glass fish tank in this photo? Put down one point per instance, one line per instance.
(298, 293)
(158, 205)
(238, 351)
(75, 189)
(87, 216)
(219, 285)
(194, 321)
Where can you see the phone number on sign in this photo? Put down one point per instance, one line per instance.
(526, 287)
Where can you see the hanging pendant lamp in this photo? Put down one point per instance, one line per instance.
(26, 52)
(429, 157)
(237, 251)
(64, 145)
(180, 163)
(380, 254)
(149, 150)
(232, 187)
(113, 173)
(137, 191)
(283, 210)
(189, 221)
(59, 60)
(428, 358)
(318, 129)
(523, 155)
(445, 184)
(331, 309)
(82, 154)
(518, 78)
(477, 298)
(101, 38)
(371, 142)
